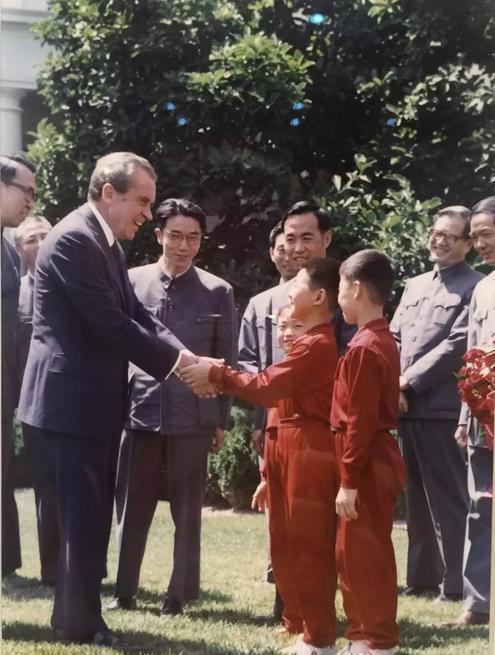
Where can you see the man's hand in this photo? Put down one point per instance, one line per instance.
(345, 504)
(218, 440)
(186, 359)
(257, 441)
(196, 376)
(259, 497)
(403, 383)
(403, 404)
(461, 435)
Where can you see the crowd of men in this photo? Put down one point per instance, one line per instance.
(106, 417)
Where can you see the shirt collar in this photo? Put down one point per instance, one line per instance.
(450, 271)
(176, 277)
(107, 231)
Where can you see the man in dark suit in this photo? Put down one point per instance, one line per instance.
(28, 238)
(17, 197)
(430, 327)
(87, 326)
(169, 431)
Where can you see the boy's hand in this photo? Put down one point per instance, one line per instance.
(259, 497)
(345, 504)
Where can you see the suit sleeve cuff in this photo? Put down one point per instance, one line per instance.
(177, 361)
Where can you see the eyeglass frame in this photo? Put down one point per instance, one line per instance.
(451, 239)
(178, 237)
(27, 190)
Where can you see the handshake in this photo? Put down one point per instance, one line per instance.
(194, 371)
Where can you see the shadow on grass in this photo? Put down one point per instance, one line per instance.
(138, 642)
(25, 588)
(146, 595)
(416, 635)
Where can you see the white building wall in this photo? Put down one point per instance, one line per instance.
(20, 54)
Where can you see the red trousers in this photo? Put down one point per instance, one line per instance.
(302, 485)
(365, 553)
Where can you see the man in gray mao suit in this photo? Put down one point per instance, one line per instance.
(481, 331)
(169, 431)
(430, 327)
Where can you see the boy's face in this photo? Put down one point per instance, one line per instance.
(301, 296)
(288, 329)
(348, 299)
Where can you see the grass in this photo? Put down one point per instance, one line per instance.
(223, 621)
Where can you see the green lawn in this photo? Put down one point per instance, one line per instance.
(223, 622)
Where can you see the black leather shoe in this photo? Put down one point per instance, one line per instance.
(278, 607)
(171, 606)
(420, 591)
(122, 604)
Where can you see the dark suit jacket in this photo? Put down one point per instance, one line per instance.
(10, 297)
(200, 307)
(87, 325)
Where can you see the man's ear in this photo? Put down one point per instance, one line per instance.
(159, 235)
(272, 252)
(327, 238)
(107, 192)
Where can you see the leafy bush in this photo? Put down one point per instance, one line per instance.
(234, 470)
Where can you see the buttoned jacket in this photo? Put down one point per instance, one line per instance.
(430, 328)
(200, 308)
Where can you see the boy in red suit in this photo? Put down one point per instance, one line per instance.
(301, 468)
(364, 410)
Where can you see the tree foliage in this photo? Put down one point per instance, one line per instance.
(379, 109)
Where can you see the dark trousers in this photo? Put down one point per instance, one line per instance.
(85, 481)
(11, 544)
(42, 473)
(146, 460)
(302, 485)
(477, 551)
(437, 502)
(365, 553)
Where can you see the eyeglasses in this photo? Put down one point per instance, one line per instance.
(29, 191)
(178, 237)
(451, 239)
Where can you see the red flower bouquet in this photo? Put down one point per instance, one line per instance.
(477, 386)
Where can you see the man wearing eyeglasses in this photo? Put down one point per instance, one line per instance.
(169, 431)
(17, 197)
(430, 327)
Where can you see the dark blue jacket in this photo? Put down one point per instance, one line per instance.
(87, 326)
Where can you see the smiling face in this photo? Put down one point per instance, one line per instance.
(302, 298)
(126, 212)
(288, 329)
(303, 239)
(180, 239)
(17, 202)
(283, 263)
(483, 236)
(446, 242)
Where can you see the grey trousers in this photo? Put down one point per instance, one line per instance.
(146, 458)
(437, 503)
(477, 550)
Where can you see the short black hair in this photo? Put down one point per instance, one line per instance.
(323, 273)
(485, 206)
(9, 165)
(179, 207)
(456, 211)
(274, 232)
(373, 269)
(309, 207)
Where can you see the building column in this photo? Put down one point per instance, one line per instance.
(11, 119)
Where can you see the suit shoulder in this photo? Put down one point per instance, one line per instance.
(212, 281)
(486, 285)
(144, 272)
